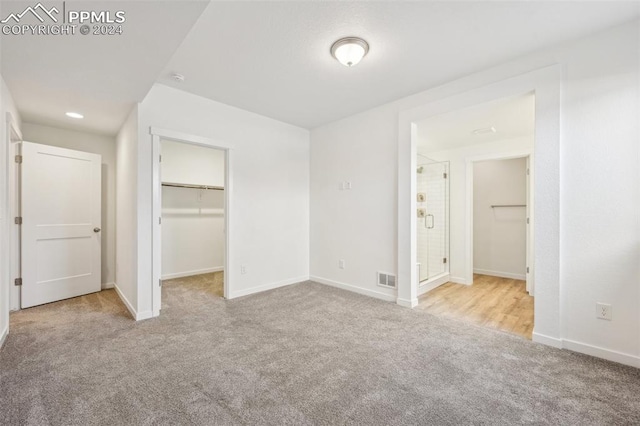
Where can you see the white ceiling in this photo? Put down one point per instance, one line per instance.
(511, 117)
(101, 77)
(273, 58)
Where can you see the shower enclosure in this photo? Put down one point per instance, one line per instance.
(433, 220)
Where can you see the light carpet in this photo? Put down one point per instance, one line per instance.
(302, 354)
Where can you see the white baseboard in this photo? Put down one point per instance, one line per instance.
(428, 286)
(265, 287)
(598, 352)
(349, 287)
(106, 286)
(126, 302)
(406, 303)
(546, 340)
(138, 316)
(144, 315)
(192, 273)
(460, 280)
(3, 336)
(500, 274)
(584, 348)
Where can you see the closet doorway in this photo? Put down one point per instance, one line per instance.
(192, 223)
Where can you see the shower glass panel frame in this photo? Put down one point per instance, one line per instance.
(432, 219)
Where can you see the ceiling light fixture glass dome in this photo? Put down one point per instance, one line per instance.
(349, 50)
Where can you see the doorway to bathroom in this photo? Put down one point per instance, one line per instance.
(474, 239)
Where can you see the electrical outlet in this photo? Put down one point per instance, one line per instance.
(604, 311)
(347, 185)
(341, 264)
(243, 269)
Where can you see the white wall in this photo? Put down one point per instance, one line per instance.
(500, 234)
(269, 189)
(126, 218)
(599, 184)
(459, 228)
(192, 219)
(6, 280)
(192, 164)
(97, 144)
(192, 232)
(358, 225)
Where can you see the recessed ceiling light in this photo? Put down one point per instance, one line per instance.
(74, 115)
(349, 50)
(484, 130)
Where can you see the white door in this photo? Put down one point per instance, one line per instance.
(60, 191)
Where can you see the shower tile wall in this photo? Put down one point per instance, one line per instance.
(432, 241)
(423, 242)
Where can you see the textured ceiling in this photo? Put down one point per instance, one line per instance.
(99, 76)
(511, 117)
(273, 58)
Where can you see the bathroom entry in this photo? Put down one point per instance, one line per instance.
(488, 275)
(192, 218)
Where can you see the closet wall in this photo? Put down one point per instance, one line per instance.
(500, 233)
(192, 219)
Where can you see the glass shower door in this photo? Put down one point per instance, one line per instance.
(433, 219)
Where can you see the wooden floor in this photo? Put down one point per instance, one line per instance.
(493, 302)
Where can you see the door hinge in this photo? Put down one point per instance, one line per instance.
(159, 283)
(160, 159)
(159, 221)
(444, 175)
(18, 281)
(19, 159)
(527, 269)
(527, 221)
(18, 220)
(444, 260)
(527, 172)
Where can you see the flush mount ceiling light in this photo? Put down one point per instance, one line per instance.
(349, 50)
(74, 115)
(484, 130)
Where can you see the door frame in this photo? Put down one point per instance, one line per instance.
(469, 163)
(14, 139)
(156, 211)
(545, 83)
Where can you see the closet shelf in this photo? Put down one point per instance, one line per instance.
(186, 185)
(508, 205)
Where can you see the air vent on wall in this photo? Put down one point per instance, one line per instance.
(386, 280)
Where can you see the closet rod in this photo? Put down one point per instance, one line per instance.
(508, 205)
(186, 185)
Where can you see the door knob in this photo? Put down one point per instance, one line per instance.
(96, 229)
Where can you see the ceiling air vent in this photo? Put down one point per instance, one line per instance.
(386, 280)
